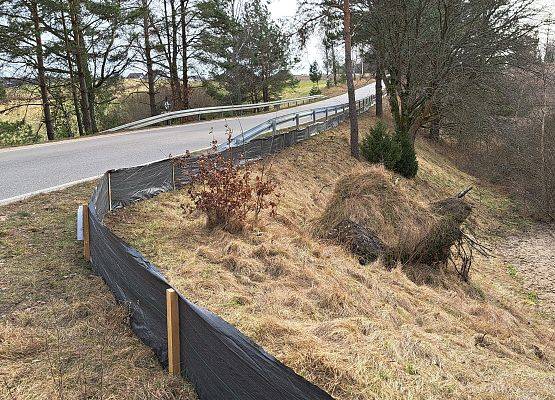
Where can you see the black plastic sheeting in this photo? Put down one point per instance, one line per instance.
(218, 360)
(129, 185)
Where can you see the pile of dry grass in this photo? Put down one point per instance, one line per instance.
(407, 229)
(358, 332)
(376, 199)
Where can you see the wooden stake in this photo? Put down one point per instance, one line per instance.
(172, 318)
(86, 233)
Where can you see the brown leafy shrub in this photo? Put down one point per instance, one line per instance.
(227, 192)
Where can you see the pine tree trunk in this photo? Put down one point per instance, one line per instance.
(89, 82)
(92, 100)
(327, 63)
(148, 57)
(350, 83)
(41, 72)
(174, 74)
(79, 50)
(334, 65)
(265, 93)
(379, 91)
(74, 94)
(184, 45)
(168, 50)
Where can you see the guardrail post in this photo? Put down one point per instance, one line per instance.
(172, 319)
(326, 113)
(297, 122)
(274, 127)
(313, 115)
(86, 233)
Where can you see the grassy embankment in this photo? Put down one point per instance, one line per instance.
(360, 332)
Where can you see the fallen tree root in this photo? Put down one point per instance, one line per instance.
(361, 241)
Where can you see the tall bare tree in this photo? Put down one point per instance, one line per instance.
(314, 12)
(429, 48)
(350, 84)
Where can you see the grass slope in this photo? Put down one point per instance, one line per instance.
(62, 336)
(360, 332)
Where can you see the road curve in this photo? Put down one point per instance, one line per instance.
(28, 170)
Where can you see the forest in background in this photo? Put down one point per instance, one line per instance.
(90, 65)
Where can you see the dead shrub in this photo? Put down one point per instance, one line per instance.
(227, 190)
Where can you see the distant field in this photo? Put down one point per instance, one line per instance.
(32, 114)
(302, 89)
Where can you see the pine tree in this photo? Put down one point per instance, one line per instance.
(314, 73)
(249, 55)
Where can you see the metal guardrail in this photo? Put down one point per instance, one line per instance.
(208, 110)
(295, 120)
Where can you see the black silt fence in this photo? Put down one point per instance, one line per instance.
(216, 358)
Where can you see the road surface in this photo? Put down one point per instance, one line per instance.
(43, 167)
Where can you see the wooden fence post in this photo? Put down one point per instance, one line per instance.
(86, 233)
(172, 318)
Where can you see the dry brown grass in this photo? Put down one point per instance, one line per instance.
(358, 332)
(376, 199)
(62, 335)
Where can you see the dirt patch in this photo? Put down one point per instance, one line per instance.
(531, 256)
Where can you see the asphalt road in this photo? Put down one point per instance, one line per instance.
(43, 167)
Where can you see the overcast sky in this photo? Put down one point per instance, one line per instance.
(286, 9)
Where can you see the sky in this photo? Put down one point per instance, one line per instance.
(286, 9)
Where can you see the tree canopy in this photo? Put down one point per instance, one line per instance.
(248, 54)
